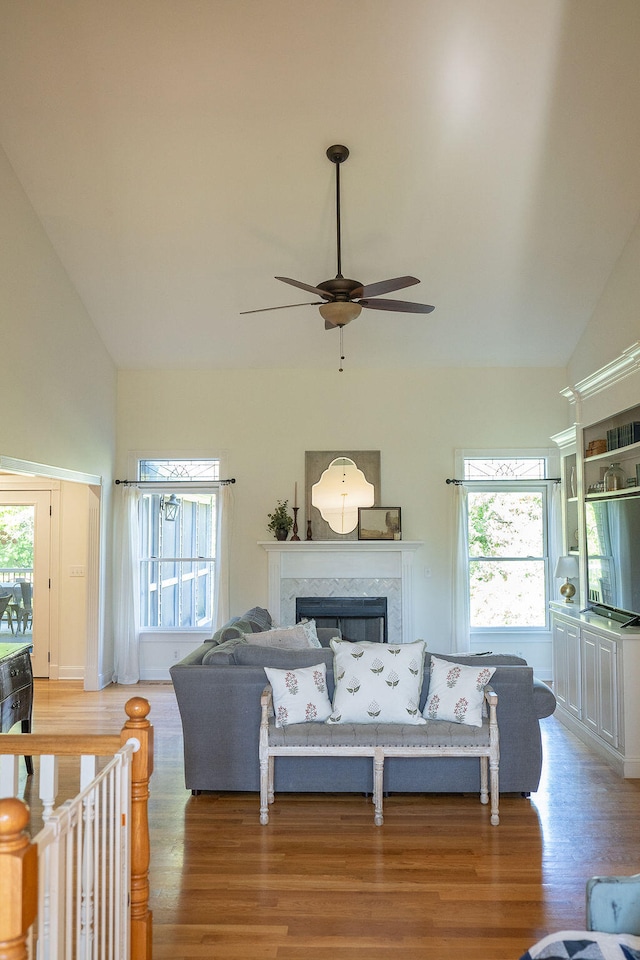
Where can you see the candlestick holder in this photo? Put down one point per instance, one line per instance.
(309, 537)
(295, 523)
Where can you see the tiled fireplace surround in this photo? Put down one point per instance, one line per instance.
(347, 568)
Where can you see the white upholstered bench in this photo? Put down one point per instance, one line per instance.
(435, 738)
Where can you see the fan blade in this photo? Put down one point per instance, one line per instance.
(283, 307)
(306, 286)
(400, 306)
(385, 286)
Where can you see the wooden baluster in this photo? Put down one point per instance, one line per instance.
(138, 726)
(18, 879)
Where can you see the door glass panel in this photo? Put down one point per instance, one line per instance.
(17, 524)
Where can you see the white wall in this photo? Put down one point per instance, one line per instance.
(58, 383)
(261, 423)
(615, 323)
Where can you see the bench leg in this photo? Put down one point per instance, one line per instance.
(495, 790)
(271, 795)
(264, 788)
(484, 779)
(378, 776)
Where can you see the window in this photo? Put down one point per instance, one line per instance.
(508, 542)
(178, 525)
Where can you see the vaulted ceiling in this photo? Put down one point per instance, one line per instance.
(174, 152)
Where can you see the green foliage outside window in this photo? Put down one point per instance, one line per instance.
(506, 559)
(16, 536)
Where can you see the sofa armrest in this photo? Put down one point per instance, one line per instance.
(196, 656)
(544, 701)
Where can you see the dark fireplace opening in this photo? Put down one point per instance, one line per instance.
(358, 618)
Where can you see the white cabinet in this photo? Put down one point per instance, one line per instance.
(566, 665)
(599, 685)
(596, 665)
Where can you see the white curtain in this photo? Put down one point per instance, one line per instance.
(460, 616)
(223, 549)
(555, 534)
(126, 614)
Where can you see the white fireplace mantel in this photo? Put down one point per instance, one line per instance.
(384, 565)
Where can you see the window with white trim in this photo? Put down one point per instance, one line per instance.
(178, 525)
(508, 539)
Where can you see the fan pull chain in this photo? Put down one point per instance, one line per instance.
(341, 368)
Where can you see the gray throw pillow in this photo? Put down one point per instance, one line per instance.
(223, 652)
(259, 618)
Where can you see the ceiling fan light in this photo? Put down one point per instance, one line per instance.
(340, 312)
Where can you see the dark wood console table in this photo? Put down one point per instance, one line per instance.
(16, 689)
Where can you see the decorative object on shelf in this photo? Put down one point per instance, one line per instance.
(295, 512)
(567, 567)
(309, 536)
(595, 447)
(379, 523)
(280, 522)
(572, 482)
(614, 478)
(623, 436)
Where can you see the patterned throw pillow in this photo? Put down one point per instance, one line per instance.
(377, 682)
(299, 696)
(291, 638)
(456, 692)
(309, 627)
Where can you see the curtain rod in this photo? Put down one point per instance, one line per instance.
(507, 480)
(163, 483)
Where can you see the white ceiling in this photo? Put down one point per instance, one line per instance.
(174, 152)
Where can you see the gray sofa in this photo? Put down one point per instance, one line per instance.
(219, 703)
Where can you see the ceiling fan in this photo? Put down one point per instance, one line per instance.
(343, 299)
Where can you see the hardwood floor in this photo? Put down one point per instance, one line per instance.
(321, 881)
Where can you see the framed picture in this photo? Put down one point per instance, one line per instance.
(379, 523)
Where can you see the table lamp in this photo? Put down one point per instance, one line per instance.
(567, 567)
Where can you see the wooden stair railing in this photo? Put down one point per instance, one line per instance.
(19, 855)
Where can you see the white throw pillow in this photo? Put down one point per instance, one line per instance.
(377, 682)
(456, 692)
(290, 638)
(299, 696)
(309, 627)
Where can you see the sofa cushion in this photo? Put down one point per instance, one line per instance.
(299, 696)
(327, 634)
(377, 682)
(490, 659)
(249, 655)
(456, 691)
(291, 638)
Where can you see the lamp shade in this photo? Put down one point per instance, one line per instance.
(567, 567)
(339, 313)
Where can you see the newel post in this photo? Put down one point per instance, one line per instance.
(18, 879)
(138, 726)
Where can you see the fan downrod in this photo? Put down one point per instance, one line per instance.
(338, 153)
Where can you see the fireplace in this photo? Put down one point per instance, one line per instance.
(358, 618)
(358, 569)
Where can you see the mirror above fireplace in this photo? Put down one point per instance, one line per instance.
(337, 482)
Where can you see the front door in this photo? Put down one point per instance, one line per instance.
(25, 550)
